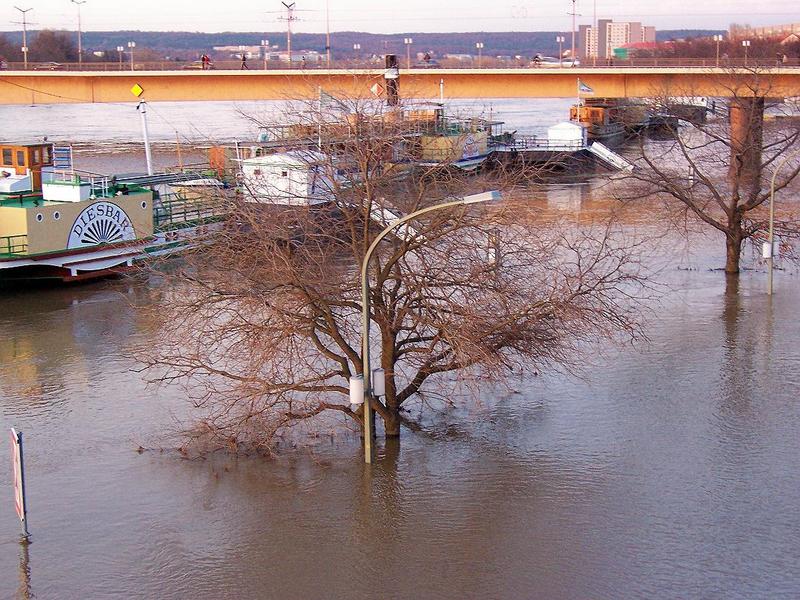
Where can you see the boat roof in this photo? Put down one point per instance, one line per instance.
(26, 144)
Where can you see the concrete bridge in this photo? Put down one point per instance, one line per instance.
(58, 87)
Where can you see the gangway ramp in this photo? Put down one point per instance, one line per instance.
(611, 158)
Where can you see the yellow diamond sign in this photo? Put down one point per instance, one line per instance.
(137, 90)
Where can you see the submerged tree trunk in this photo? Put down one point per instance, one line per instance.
(733, 248)
(392, 423)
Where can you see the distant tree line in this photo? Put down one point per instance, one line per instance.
(43, 46)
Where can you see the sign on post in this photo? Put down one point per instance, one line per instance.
(19, 480)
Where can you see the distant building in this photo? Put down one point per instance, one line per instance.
(459, 57)
(601, 42)
(237, 51)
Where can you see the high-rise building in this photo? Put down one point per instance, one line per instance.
(609, 35)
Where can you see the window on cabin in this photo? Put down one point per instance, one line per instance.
(37, 156)
(46, 155)
(7, 157)
(20, 157)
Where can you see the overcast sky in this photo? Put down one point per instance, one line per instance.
(391, 17)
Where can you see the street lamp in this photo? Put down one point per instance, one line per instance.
(131, 46)
(408, 42)
(80, 36)
(368, 388)
(265, 50)
(718, 39)
(560, 39)
(479, 46)
(357, 49)
(120, 50)
(746, 45)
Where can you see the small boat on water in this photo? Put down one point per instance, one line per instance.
(62, 224)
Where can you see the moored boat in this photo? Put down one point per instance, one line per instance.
(59, 223)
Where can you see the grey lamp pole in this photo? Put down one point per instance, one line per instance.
(80, 33)
(365, 303)
(771, 236)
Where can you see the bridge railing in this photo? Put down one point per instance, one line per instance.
(258, 65)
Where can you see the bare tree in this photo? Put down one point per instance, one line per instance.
(263, 324)
(55, 46)
(717, 171)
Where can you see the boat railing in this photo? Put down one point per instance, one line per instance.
(179, 210)
(13, 245)
(98, 184)
(532, 142)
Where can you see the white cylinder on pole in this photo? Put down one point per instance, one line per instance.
(357, 390)
(378, 382)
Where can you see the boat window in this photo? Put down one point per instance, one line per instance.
(46, 155)
(37, 158)
(7, 157)
(20, 157)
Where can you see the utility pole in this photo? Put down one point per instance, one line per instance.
(24, 34)
(596, 36)
(289, 18)
(80, 36)
(574, 14)
(328, 31)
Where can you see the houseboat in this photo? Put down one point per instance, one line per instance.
(58, 223)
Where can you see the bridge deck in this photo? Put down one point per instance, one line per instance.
(38, 87)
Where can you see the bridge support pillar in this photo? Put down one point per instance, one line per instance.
(747, 141)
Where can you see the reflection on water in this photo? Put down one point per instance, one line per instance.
(666, 470)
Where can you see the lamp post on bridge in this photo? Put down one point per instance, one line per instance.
(746, 46)
(560, 39)
(131, 46)
(368, 391)
(479, 46)
(718, 39)
(24, 48)
(120, 50)
(408, 42)
(265, 51)
(357, 51)
(78, 3)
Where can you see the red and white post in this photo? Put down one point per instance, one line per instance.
(18, 467)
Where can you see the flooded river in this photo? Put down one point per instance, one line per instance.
(670, 469)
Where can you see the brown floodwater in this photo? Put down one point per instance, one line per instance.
(667, 469)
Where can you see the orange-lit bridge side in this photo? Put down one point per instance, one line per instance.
(57, 87)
